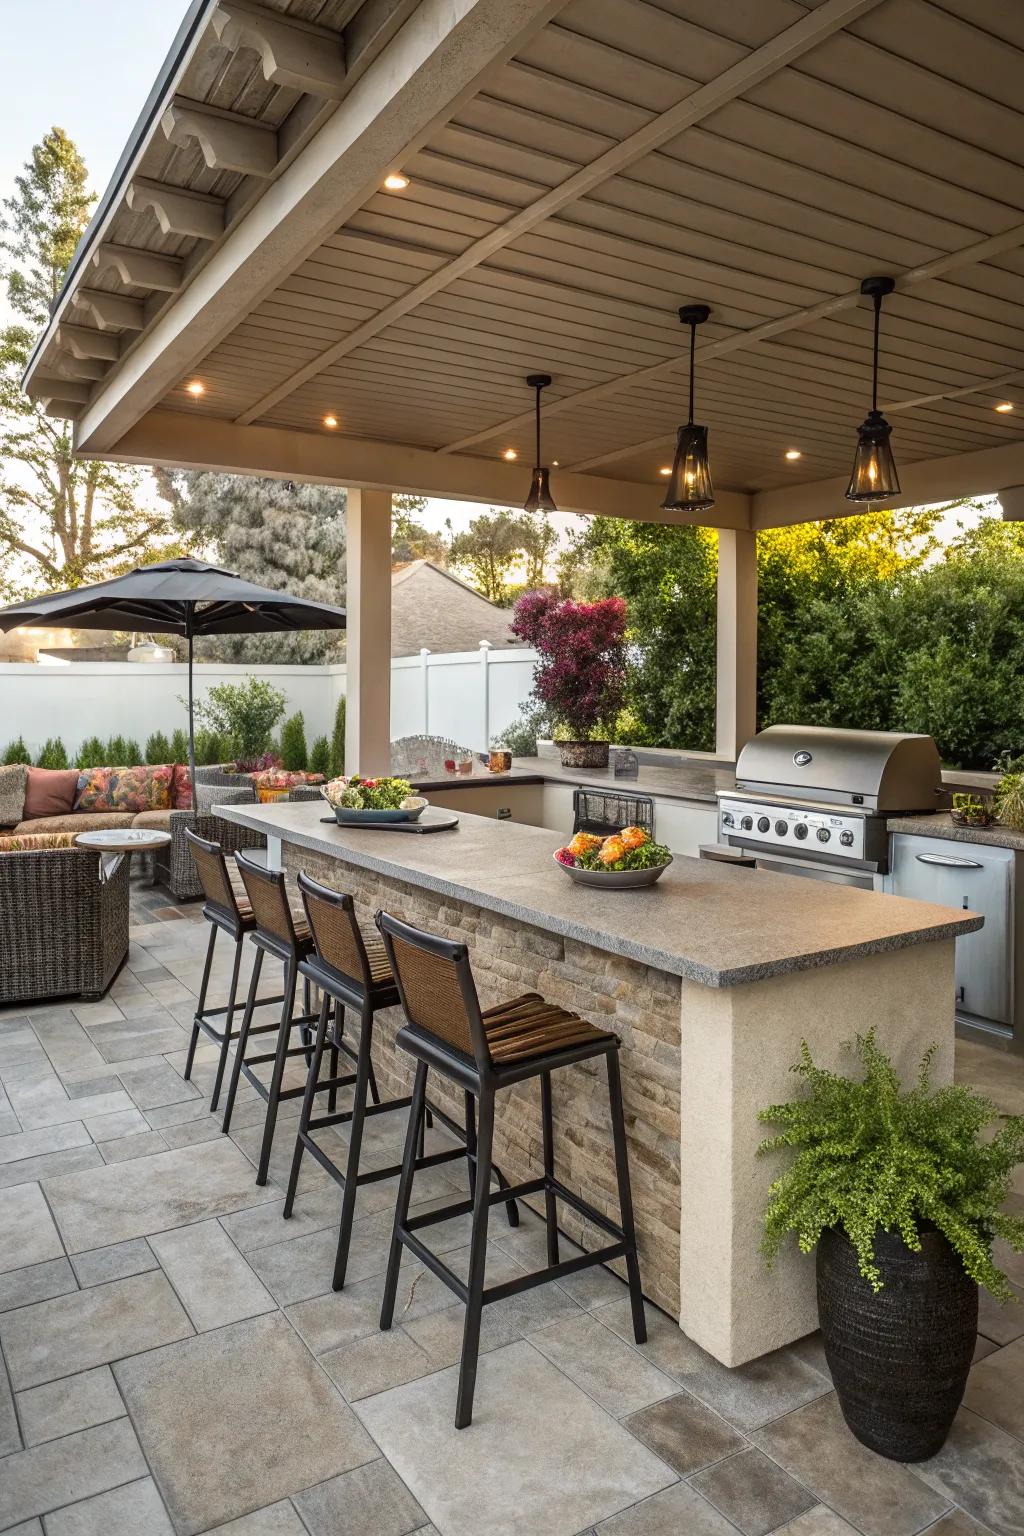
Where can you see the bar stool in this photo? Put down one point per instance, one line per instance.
(280, 930)
(351, 971)
(483, 1052)
(227, 910)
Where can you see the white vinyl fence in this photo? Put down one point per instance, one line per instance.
(469, 696)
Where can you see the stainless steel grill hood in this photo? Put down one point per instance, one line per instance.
(888, 772)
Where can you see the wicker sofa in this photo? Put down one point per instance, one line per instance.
(63, 930)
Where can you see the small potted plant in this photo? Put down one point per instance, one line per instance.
(581, 674)
(1009, 799)
(971, 811)
(901, 1193)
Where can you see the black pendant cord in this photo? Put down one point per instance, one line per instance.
(693, 343)
(874, 359)
(537, 410)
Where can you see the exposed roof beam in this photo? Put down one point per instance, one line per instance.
(228, 141)
(178, 212)
(759, 64)
(83, 342)
(71, 367)
(62, 410)
(112, 311)
(52, 387)
(430, 66)
(740, 341)
(980, 473)
(138, 268)
(294, 53)
(189, 440)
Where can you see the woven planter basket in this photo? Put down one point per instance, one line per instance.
(899, 1358)
(583, 754)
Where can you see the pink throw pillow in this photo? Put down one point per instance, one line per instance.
(50, 792)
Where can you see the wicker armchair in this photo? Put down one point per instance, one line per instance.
(62, 929)
(175, 866)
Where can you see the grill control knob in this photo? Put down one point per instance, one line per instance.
(823, 834)
(763, 824)
(846, 838)
(800, 830)
(728, 819)
(781, 827)
(746, 823)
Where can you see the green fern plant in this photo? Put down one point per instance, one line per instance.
(870, 1154)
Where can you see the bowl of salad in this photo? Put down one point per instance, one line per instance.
(624, 861)
(356, 800)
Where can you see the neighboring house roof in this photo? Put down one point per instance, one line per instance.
(430, 607)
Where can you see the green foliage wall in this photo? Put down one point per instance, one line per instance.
(862, 622)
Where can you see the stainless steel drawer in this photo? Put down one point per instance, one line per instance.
(978, 877)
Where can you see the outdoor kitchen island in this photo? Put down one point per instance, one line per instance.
(711, 978)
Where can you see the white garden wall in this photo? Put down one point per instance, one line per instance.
(469, 696)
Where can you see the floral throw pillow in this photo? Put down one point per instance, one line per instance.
(125, 789)
(181, 788)
(30, 842)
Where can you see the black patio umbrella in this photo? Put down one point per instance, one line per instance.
(177, 597)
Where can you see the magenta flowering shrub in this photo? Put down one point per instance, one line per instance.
(581, 676)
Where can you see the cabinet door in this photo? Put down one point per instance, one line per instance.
(979, 878)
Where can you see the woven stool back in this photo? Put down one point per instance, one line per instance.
(436, 987)
(336, 937)
(268, 898)
(213, 873)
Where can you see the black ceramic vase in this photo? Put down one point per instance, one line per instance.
(899, 1357)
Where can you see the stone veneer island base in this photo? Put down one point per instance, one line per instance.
(711, 979)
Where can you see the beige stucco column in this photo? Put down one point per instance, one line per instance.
(736, 686)
(368, 601)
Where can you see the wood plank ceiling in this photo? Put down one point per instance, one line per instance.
(893, 145)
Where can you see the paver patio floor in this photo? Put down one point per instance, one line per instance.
(174, 1359)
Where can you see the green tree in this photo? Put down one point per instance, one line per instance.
(53, 754)
(338, 739)
(92, 754)
(488, 551)
(63, 521)
(320, 757)
(294, 754)
(410, 540)
(242, 715)
(158, 749)
(16, 752)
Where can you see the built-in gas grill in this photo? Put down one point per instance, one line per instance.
(817, 799)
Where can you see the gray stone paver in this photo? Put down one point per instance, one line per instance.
(85, 1427)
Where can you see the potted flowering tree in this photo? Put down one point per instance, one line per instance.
(581, 675)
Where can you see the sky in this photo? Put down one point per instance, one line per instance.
(87, 66)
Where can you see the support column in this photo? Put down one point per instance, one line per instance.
(368, 602)
(736, 683)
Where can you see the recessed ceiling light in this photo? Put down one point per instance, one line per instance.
(396, 182)
(196, 388)
(666, 469)
(554, 463)
(793, 453)
(330, 421)
(510, 454)
(1004, 406)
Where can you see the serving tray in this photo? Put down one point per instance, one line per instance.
(444, 824)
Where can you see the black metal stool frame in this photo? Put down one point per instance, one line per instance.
(482, 1080)
(364, 1000)
(287, 949)
(223, 916)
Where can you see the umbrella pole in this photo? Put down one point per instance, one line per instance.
(191, 724)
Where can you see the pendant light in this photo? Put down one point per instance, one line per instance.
(874, 474)
(689, 487)
(540, 498)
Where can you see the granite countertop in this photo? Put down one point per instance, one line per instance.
(685, 781)
(941, 826)
(704, 921)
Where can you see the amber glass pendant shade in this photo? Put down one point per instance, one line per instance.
(874, 477)
(540, 498)
(874, 468)
(689, 486)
